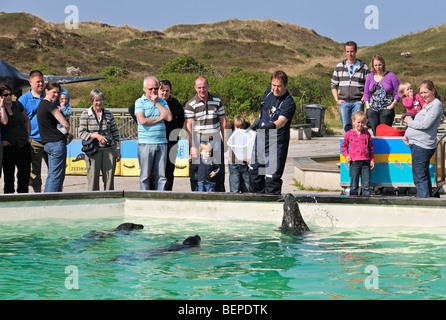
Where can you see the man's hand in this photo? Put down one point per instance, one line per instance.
(255, 125)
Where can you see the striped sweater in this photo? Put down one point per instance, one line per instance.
(350, 89)
(89, 125)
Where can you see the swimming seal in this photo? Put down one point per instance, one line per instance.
(121, 229)
(129, 226)
(189, 242)
(292, 221)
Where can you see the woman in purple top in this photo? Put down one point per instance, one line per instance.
(380, 94)
(357, 148)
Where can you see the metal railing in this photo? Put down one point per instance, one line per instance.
(128, 129)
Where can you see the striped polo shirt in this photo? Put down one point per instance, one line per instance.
(205, 114)
(154, 134)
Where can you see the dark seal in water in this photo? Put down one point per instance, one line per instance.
(292, 221)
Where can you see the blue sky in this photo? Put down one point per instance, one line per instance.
(341, 20)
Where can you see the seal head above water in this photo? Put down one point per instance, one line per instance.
(292, 221)
(189, 242)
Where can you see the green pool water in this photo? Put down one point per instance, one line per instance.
(44, 259)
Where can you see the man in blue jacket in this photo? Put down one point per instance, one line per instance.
(273, 136)
(31, 101)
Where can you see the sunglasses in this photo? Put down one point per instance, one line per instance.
(166, 82)
(150, 89)
(7, 94)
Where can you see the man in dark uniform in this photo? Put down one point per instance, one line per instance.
(273, 136)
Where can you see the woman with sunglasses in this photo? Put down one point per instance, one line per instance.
(172, 129)
(15, 128)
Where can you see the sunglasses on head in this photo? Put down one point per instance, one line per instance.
(166, 82)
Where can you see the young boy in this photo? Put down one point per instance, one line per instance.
(64, 107)
(357, 148)
(207, 169)
(238, 171)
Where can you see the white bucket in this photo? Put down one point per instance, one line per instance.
(241, 143)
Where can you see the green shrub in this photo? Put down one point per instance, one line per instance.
(44, 69)
(206, 55)
(114, 73)
(185, 64)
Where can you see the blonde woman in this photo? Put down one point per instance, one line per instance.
(380, 94)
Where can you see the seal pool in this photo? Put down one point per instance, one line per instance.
(380, 250)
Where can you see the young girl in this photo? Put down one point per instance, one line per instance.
(413, 103)
(357, 148)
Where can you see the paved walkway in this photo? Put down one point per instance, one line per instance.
(315, 146)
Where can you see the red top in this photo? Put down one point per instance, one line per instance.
(358, 146)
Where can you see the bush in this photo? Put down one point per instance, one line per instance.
(241, 91)
(44, 69)
(185, 64)
(114, 73)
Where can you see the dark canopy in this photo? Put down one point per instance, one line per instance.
(18, 80)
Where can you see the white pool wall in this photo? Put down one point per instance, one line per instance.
(321, 211)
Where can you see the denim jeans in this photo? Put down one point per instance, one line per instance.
(238, 177)
(384, 116)
(152, 156)
(420, 170)
(360, 169)
(57, 158)
(346, 110)
(206, 186)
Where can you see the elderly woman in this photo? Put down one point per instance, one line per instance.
(54, 142)
(422, 136)
(99, 124)
(380, 94)
(172, 128)
(15, 129)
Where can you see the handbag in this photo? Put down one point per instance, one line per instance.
(379, 98)
(89, 147)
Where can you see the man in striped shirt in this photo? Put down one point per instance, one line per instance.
(205, 121)
(151, 112)
(347, 85)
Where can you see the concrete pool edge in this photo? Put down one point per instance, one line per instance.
(320, 210)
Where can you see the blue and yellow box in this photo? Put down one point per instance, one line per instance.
(393, 164)
(182, 160)
(76, 160)
(129, 164)
(129, 158)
